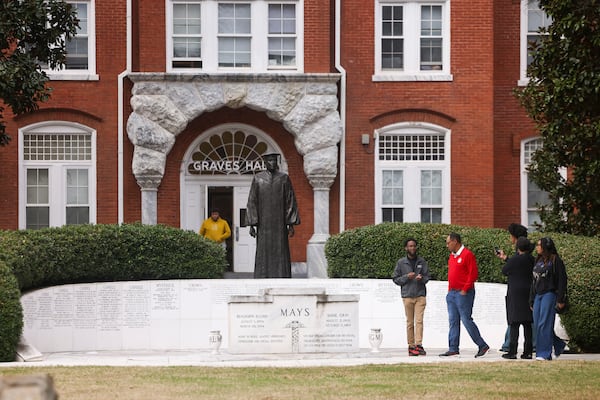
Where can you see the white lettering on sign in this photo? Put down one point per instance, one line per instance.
(229, 166)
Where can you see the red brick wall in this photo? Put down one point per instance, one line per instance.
(318, 36)
(464, 105)
(511, 124)
(478, 106)
(151, 36)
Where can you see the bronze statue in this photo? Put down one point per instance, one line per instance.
(271, 214)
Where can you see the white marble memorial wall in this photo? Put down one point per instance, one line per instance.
(179, 314)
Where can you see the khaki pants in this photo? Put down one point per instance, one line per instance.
(414, 308)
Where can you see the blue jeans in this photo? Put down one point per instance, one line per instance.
(460, 309)
(544, 316)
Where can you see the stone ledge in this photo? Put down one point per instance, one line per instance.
(234, 77)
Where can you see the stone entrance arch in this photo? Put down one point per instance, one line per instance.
(306, 105)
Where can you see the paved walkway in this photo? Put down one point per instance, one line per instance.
(223, 359)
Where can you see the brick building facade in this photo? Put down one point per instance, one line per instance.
(388, 110)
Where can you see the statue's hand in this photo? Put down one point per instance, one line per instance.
(252, 231)
(290, 229)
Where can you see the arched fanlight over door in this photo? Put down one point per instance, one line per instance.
(229, 152)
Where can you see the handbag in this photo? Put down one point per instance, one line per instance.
(565, 308)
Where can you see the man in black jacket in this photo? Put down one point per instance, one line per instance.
(411, 274)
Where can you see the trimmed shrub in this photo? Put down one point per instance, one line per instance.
(99, 253)
(372, 252)
(11, 314)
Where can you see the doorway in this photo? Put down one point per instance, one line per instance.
(231, 203)
(217, 171)
(221, 198)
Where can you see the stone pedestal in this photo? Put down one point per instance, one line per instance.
(293, 320)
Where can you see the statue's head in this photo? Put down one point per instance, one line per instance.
(272, 161)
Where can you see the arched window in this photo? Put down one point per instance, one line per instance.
(57, 175)
(229, 150)
(412, 174)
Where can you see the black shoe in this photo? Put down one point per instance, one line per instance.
(482, 351)
(449, 353)
(509, 356)
(421, 350)
(412, 351)
(526, 356)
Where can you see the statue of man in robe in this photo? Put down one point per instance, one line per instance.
(271, 213)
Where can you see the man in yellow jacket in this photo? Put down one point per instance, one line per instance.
(215, 228)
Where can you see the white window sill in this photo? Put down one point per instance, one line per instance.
(74, 77)
(412, 77)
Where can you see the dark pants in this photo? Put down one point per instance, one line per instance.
(514, 338)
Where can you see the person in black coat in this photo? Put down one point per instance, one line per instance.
(518, 269)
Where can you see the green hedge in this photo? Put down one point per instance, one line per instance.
(11, 314)
(372, 252)
(99, 253)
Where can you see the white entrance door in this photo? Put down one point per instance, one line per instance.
(244, 245)
(192, 210)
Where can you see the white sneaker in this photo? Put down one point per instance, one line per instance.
(540, 359)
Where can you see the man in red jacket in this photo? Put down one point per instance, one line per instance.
(462, 274)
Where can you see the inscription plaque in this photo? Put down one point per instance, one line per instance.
(293, 320)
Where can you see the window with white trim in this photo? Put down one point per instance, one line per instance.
(412, 174)
(57, 179)
(412, 40)
(80, 62)
(532, 20)
(234, 36)
(532, 197)
(187, 35)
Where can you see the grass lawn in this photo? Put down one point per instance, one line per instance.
(476, 380)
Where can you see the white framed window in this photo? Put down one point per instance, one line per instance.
(282, 35)
(412, 182)
(234, 36)
(532, 197)
(80, 63)
(57, 175)
(532, 19)
(412, 40)
(187, 35)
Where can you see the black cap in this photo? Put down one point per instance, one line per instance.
(272, 155)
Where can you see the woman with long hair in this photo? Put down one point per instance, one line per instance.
(548, 291)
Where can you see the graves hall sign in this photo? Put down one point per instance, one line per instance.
(228, 167)
(228, 153)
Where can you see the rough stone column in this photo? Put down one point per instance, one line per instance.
(316, 264)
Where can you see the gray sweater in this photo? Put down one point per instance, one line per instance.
(411, 287)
